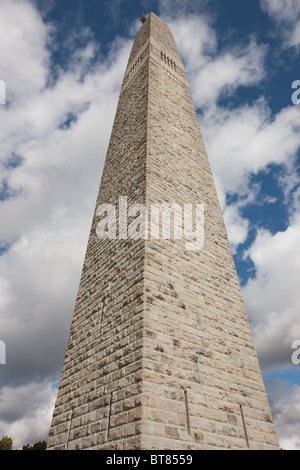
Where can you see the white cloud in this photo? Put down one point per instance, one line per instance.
(286, 14)
(214, 74)
(285, 400)
(24, 57)
(33, 127)
(272, 298)
(248, 139)
(47, 217)
(242, 142)
(195, 38)
(242, 66)
(237, 226)
(39, 277)
(26, 412)
(295, 37)
(281, 10)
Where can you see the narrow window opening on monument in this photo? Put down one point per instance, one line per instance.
(69, 429)
(188, 425)
(101, 314)
(109, 416)
(244, 425)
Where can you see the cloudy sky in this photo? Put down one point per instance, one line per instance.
(62, 62)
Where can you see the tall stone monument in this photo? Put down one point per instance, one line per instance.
(160, 353)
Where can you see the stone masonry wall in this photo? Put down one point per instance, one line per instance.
(99, 398)
(160, 354)
(202, 382)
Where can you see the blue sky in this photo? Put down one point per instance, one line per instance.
(63, 63)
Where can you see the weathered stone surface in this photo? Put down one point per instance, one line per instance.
(160, 353)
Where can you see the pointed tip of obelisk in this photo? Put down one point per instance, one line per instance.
(144, 16)
(157, 32)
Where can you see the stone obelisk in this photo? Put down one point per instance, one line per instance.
(160, 353)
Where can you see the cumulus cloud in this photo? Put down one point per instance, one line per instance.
(53, 140)
(286, 10)
(214, 73)
(242, 66)
(26, 412)
(272, 298)
(248, 139)
(284, 400)
(242, 142)
(24, 56)
(286, 14)
(237, 226)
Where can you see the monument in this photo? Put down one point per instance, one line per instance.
(160, 353)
